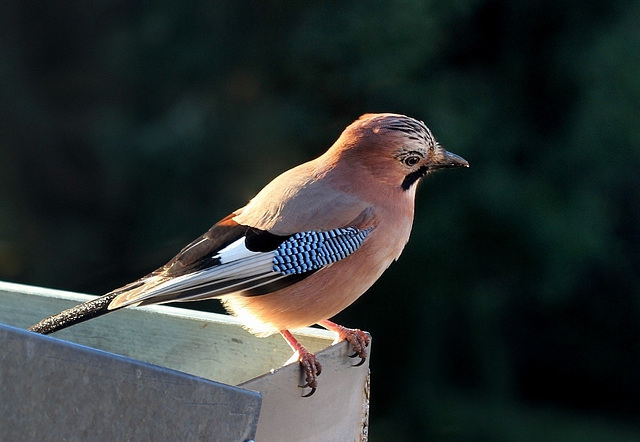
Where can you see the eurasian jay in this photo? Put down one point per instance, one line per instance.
(306, 246)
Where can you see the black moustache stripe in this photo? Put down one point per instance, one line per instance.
(414, 176)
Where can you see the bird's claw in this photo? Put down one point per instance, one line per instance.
(362, 360)
(359, 340)
(312, 369)
(313, 390)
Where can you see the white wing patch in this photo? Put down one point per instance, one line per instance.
(235, 251)
(239, 269)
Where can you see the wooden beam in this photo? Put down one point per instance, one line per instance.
(179, 344)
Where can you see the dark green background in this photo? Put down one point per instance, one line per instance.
(128, 127)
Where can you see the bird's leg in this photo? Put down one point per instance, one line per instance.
(358, 339)
(308, 361)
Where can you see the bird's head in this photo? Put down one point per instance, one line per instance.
(398, 150)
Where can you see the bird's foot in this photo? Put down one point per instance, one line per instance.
(308, 362)
(312, 369)
(358, 339)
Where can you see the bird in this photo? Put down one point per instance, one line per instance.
(309, 244)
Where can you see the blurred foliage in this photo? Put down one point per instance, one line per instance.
(128, 128)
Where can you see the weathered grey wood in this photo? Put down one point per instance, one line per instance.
(216, 347)
(338, 411)
(55, 390)
(203, 344)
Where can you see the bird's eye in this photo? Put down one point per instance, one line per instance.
(411, 160)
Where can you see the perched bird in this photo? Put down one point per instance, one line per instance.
(306, 246)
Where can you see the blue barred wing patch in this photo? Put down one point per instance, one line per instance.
(307, 251)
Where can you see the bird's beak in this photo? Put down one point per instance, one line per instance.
(455, 160)
(447, 159)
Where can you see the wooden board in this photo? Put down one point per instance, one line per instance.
(213, 347)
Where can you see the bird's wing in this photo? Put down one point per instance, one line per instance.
(235, 258)
(307, 197)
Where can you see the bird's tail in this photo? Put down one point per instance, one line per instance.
(75, 315)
